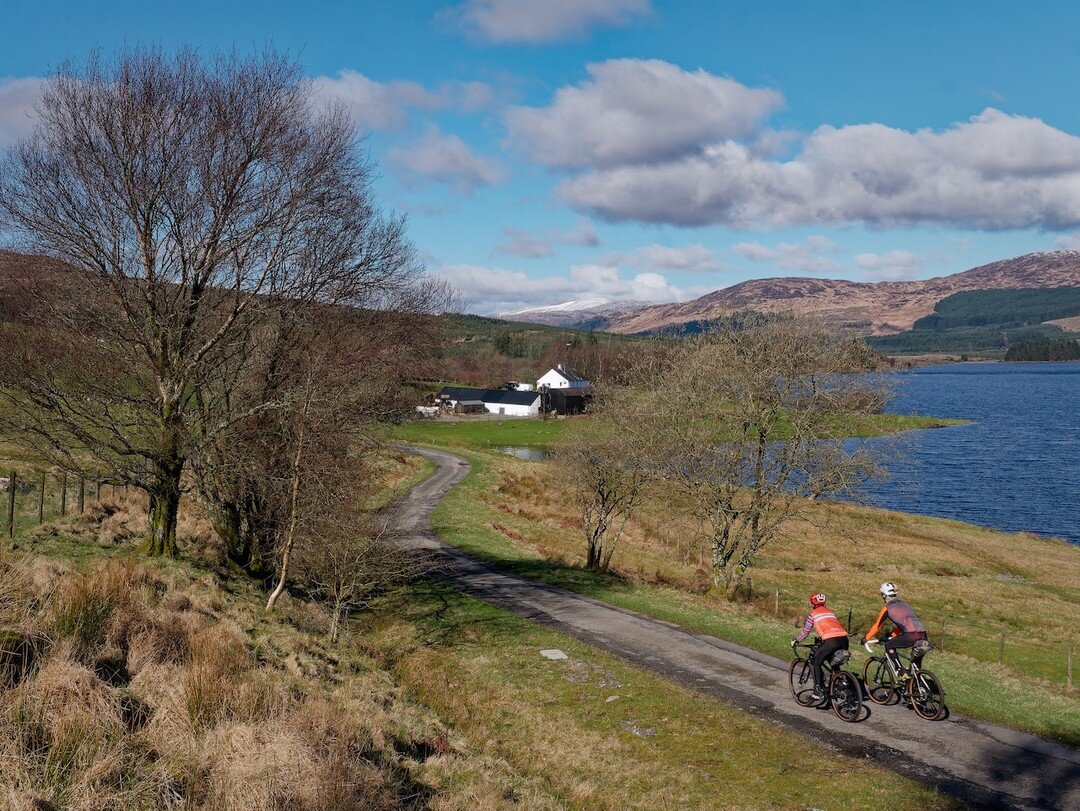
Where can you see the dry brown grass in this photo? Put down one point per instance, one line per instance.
(980, 581)
(146, 690)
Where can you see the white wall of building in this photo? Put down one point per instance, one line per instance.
(554, 379)
(509, 410)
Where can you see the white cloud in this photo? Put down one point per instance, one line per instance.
(638, 111)
(539, 21)
(661, 257)
(384, 105)
(444, 158)
(994, 171)
(17, 116)
(1067, 242)
(524, 243)
(806, 256)
(499, 290)
(891, 266)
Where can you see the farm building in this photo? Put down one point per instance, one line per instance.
(565, 390)
(494, 401)
(563, 377)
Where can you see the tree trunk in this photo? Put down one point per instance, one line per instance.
(164, 506)
(294, 513)
(335, 624)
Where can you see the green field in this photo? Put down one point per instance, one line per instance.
(542, 434)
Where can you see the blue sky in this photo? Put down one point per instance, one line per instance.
(547, 150)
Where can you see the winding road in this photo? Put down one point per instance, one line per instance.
(979, 763)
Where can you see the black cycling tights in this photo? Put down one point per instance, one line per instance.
(905, 641)
(827, 648)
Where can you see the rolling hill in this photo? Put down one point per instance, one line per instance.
(880, 308)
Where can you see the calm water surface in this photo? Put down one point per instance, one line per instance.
(1017, 467)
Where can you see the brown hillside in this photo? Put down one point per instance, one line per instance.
(882, 307)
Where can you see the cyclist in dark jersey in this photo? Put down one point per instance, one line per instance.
(908, 628)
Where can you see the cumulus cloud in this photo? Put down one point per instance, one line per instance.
(661, 257)
(638, 111)
(808, 256)
(994, 171)
(499, 289)
(891, 266)
(444, 158)
(385, 105)
(529, 245)
(17, 116)
(537, 21)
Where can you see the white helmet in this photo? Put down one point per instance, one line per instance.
(888, 590)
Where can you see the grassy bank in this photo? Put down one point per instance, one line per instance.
(980, 583)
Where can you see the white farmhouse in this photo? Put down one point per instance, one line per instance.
(563, 377)
(565, 390)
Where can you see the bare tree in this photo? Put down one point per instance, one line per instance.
(613, 457)
(198, 201)
(753, 424)
(348, 568)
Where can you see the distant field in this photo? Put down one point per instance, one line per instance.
(524, 433)
(1068, 324)
(532, 433)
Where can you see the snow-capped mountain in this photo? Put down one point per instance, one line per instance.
(572, 313)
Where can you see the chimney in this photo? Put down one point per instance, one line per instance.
(559, 366)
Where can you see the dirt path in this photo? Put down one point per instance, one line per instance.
(980, 763)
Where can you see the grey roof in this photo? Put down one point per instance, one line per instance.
(497, 396)
(570, 374)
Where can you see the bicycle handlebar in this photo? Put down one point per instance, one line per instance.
(867, 644)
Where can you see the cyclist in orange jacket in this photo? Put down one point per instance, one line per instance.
(908, 630)
(833, 638)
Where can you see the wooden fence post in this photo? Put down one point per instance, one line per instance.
(12, 483)
(63, 493)
(82, 495)
(97, 489)
(1001, 648)
(41, 500)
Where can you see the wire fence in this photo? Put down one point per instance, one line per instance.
(32, 497)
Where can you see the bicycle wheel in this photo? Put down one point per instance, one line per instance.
(801, 678)
(845, 696)
(926, 694)
(878, 678)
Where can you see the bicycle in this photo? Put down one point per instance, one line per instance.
(886, 680)
(844, 694)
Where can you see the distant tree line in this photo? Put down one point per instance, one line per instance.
(1002, 308)
(1044, 349)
